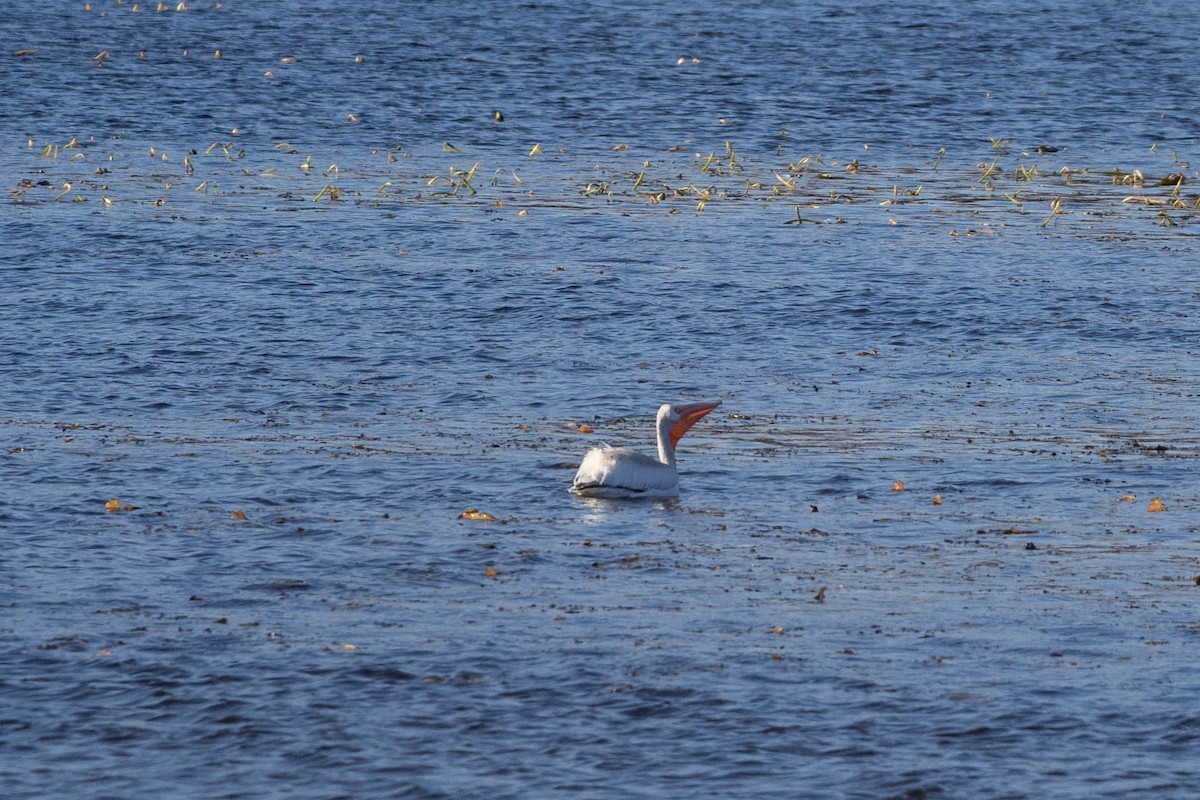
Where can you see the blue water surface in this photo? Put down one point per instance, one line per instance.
(298, 307)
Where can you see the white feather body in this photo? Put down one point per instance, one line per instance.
(618, 472)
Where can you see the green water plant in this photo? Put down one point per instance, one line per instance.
(800, 220)
(328, 190)
(989, 170)
(1055, 210)
(1026, 173)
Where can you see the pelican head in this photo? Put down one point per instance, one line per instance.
(674, 420)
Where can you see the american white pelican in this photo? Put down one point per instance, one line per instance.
(617, 472)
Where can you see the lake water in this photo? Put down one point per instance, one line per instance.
(298, 307)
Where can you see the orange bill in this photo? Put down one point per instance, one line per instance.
(689, 415)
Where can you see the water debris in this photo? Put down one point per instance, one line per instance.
(820, 596)
(898, 486)
(1157, 505)
(476, 514)
(239, 514)
(937, 499)
(1138, 198)
(586, 429)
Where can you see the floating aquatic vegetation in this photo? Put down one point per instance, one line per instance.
(995, 193)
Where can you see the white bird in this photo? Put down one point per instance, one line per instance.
(617, 472)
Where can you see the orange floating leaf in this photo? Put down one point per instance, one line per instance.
(1129, 498)
(130, 507)
(1156, 505)
(239, 514)
(491, 573)
(475, 513)
(898, 486)
(586, 429)
(937, 499)
(113, 505)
